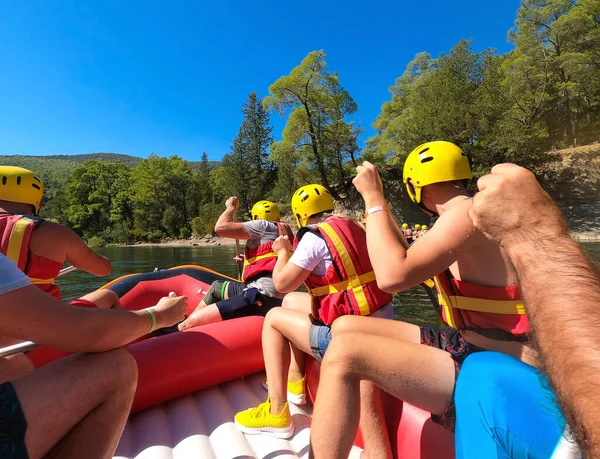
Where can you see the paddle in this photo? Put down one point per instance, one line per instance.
(67, 270)
(237, 250)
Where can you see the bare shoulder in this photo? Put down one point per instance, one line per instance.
(456, 219)
(51, 240)
(53, 230)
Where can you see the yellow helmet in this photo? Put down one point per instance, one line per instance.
(265, 210)
(404, 225)
(22, 186)
(434, 162)
(310, 200)
(424, 227)
(417, 226)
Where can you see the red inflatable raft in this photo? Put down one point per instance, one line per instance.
(192, 383)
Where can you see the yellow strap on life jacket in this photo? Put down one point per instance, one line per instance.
(444, 303)
(429, 283)
(259, 257)
(341, 286)
(15, 241)
(354, 281)
(36, 281)
(476, 304)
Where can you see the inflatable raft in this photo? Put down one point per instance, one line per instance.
(192, 383)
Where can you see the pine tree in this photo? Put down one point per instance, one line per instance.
(248, 172)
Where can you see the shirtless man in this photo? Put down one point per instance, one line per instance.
(77, 406)
(477, 289)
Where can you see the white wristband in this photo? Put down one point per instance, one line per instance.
(372, 210)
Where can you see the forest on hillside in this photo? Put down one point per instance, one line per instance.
(514, 107)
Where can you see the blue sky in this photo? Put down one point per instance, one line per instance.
(133, 77)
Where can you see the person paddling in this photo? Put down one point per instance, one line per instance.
(39, 247)
(256, 295)
(477, 287)
(332, 261)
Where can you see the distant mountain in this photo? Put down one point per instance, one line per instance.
(60, 166)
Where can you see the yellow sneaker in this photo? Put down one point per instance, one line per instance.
(296, 392)
(260, 420)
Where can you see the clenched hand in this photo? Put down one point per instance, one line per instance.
(368, 184)
(282, 244)
(512, 207)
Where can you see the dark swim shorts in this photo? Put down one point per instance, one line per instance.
(12, 424)
(245, 301)
(452, 341)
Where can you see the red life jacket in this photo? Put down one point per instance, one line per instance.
(15, 231)
(262, 259)
(495, 312)
(349, 286)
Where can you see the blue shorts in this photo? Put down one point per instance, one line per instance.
(320, 334)
(505, 409)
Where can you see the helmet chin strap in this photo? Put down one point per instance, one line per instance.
(427, 210)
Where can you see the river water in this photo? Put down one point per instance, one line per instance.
(411, 306)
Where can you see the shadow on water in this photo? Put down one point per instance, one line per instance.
(411, 306)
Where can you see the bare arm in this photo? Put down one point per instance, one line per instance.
(287, 277)
(59, 243)
(226, 226)
(561, 289)
(433, 253)
(30, 314)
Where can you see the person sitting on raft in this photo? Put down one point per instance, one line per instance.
(40, 248)
(78, 404)
(331, 259)
(256, 295)
(478, 293)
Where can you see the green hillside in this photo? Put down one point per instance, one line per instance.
(60, 166)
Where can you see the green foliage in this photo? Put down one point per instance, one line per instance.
(515, 107)
(247, 172)
(95, 242)
(317, 138)
(90, 195)
(184, 233)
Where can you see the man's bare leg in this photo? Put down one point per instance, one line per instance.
(418, 374)
(78, 406)
(201, 316)
(372, 423)
(104, 299)
(372, 420)
(204, 314)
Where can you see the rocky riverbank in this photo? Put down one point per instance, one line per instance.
(191, 242)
